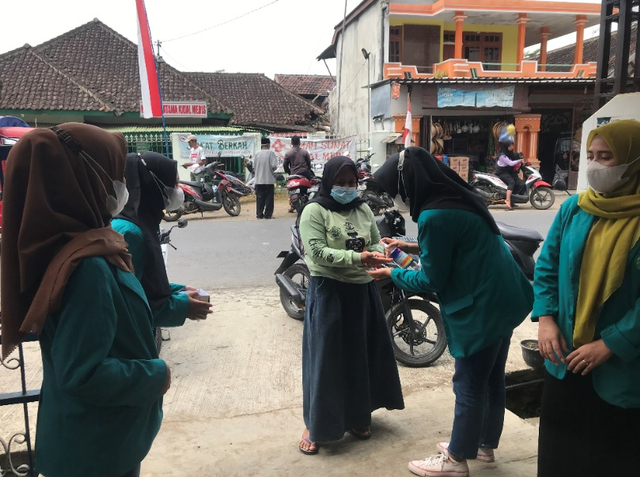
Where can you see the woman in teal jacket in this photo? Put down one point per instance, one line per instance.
(587, 302)
(67, 276)
(483, 296)
(152, 181)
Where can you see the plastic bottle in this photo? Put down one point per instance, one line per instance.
(403, 260)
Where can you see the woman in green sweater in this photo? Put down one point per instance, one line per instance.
(152, 181)
(66, 275)
(482, 293)
(348, 366)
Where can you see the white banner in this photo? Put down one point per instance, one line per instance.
(217, 146)
(320, 150)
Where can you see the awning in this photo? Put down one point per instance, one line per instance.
(328, 53)
(391, 138)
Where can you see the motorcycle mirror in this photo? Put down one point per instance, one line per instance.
(182, 223)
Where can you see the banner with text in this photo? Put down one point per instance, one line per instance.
(320, 150)
(476, 96)
(217, 146)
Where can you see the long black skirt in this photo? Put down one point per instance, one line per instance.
(583, 435)
(348, 366)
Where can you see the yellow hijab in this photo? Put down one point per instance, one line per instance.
(615, 232)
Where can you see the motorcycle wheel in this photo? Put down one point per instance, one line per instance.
(173, 215)
(367, 196)
(542, 197)
(418, 340)
(231, 204)
(299, 273)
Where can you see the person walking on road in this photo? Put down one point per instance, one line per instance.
(483, 296)
(348, 365)
(587, 303)
(67, 276)
(265, 164)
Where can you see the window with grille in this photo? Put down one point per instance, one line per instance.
(395, 44)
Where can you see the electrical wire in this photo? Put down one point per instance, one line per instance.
(223, 23)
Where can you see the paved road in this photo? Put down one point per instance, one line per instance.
(219, 251)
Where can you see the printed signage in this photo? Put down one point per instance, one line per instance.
(218, 146)
(320, 150)
(476, 97)
(182, 109)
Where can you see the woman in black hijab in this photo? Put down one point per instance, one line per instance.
(152, 181)
(483, 296)
(348, 366)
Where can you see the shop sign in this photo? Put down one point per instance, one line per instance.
(214, 146)
(395, 90)
(182, 109)
(320, 150)
(476, 96)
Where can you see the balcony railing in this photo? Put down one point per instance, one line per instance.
(462, 68)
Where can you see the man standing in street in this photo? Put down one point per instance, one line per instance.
(265, 163)
(197, 158)
(297, 160)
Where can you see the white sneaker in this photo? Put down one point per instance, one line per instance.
(484, 454)
(440, 465)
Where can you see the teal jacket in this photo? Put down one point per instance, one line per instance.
(175, 309)
(483, 294)
(100, 406)
(557, 275)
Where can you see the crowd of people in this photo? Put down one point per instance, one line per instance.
(82, 267)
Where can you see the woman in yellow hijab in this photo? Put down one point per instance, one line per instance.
(587, 302)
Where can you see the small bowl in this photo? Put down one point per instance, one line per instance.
(531, 353)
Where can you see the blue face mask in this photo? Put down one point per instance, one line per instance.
(344, 195)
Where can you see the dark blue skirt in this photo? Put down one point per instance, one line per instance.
(348, 366)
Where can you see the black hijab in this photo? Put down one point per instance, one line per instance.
(145, 209)
(504, 149)
(429, 184)
(331, 169)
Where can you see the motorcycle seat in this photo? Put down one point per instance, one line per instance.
(509, 232)
(191, 183)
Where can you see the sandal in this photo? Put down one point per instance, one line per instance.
(363, 433)
(313, 451)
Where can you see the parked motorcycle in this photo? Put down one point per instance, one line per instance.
(300, 191)
(415, 324)
(165, 242)
(214, 191)
(494, 190)
(369, 189)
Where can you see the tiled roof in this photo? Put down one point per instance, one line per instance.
(306, 84)
(90, 68)
(257, 100)
(566, 54)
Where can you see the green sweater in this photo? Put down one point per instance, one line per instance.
(556, 285)
(100, 407)
(175, 309)
(482, 292)
(325, 234)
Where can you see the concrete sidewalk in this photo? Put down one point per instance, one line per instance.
(235, 405)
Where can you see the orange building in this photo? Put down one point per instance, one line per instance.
(465, 64)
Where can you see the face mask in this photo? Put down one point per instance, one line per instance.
(604, 179)
(174, 199)
(344, 195)
(401, 205)
(116, 203)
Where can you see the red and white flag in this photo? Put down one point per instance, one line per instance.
(406, 132)
(151, 102)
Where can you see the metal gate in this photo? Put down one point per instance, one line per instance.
(17, 461)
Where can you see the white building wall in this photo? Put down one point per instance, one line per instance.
(349, 100)
(623, 106)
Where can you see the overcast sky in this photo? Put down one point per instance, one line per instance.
(271, 36)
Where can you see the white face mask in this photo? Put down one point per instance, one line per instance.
(174, 199)
(114, 204)
(606, 179)
(401, 205)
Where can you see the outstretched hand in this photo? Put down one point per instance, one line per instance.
(380, 273)
(373, 259)
(198, 309)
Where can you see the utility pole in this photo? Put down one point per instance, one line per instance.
(158, 43)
